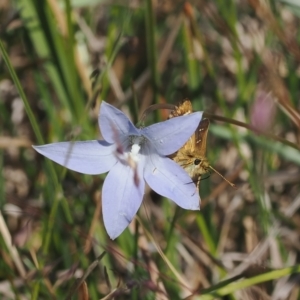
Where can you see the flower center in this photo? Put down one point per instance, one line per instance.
(136, 143)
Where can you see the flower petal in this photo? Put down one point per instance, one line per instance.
(121, 197)
(168, 179)
(90, 157)
(112, 121)
(168, 136)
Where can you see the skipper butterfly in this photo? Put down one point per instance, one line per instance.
(192, 155)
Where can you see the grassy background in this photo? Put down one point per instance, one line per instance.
(236, 59)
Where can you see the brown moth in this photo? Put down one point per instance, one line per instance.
(192, 155)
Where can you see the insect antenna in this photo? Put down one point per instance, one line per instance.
(230, 183)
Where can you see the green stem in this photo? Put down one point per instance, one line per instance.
(40, 140)
(28, 110)
(238, 285)
(150, 34)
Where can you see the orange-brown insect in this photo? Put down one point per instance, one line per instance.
(192, 155)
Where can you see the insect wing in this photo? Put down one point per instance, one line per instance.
(201, 137)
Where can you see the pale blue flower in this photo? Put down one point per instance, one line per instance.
(132, 156)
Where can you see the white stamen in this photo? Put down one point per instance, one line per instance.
(135, 151)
